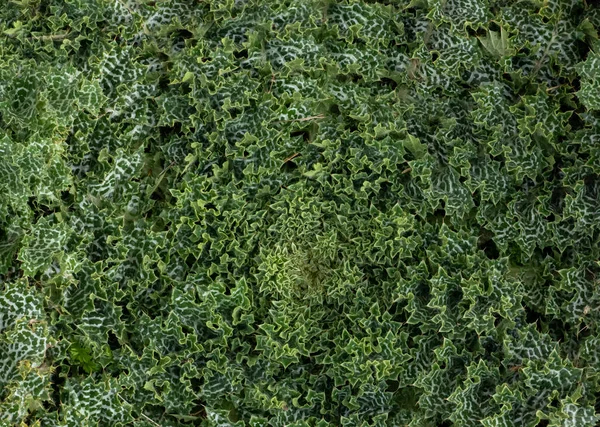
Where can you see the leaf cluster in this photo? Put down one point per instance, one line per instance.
(299, 213)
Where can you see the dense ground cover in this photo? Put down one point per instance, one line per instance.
(299, 213)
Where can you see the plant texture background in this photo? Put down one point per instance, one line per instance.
(299, 213)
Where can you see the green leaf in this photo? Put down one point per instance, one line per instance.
(497, 43)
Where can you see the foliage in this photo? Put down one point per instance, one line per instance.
(299, 213)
